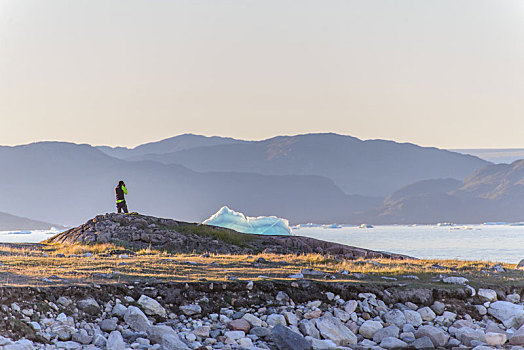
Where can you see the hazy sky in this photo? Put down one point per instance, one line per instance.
(446, 73)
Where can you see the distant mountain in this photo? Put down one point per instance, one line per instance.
(494, 155)
(68, 183)
(173, 144)
(493, 193)
(10, 222)
(369, 168)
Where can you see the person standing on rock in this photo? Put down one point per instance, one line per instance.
(121, 191)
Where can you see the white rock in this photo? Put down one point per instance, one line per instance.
(426, 314)
(511, 315)
(274, 319)
(253, 320)
(151, 306)
(496, 339)
(191, 310)
(318, 344)
(136, 319)
(395, 317)
(333, 329)
(481, 310)
(341, 315)
(488, 294)
(392, 343)
(115, 341)
(308, 328)
(413, 318)
(173, 342)
(350, 306)
(437, 336)
(455, 280)
(369, 328)
(235, 335)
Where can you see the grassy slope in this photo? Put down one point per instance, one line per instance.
(30, 264)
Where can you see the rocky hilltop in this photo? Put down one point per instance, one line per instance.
(141, 231)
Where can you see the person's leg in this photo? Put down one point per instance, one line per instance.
(118, 208)
(124, 206)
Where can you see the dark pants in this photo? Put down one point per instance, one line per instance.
(122, 206)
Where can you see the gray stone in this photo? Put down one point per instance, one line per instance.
(136, 319)
(438, 307)
(202, 331)
(115, 341)
(390, 331)
(63, 331)
(369, 328)
(308, 328)
(318, 344)
(333, 329)
(395, 317)
(191, 310)
(518, 337)
(82, 337)
(151, 306)
(487, 294)
(413, 318)
(274, 319)
(437, 336)
(108, 325)
(156, 333)
(260, 332)
(285, 339)
(511, 315)
(455, 280)
(350, 306)
(173, 342)
(119, 310)
(392, 343)
(423, 343)
(68, 345)
(89, 306)
(253, 320)
(427, 313)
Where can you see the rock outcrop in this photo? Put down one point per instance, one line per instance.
(140, 231)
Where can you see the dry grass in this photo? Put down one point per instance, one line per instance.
(31, 264)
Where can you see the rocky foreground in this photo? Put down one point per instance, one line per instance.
(259, 315)
(141, 231)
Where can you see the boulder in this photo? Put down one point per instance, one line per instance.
(285, 339)
(253, 320)
(395, 317)
(157, 332)
(518, 337)
(173, 342)
(426, 314)
(190, 310)
(274, 319)
(240, 324)
(413, 318)
(381, 334)
(115, 341)
(487, 294)
(496, 339)
(423, 343)
(151, 306)
(369, 328)
(89, 306)
(333, 329)
(437, 336)
(393, 343)
(308, 328)
(136, 319)
(511, 315)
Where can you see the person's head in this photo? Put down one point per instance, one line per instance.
(121, 183)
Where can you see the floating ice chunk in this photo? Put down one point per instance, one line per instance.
(265, 225)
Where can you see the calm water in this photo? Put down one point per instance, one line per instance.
(502, 243)
(476, 242)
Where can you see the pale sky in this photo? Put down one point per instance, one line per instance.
(445, 73)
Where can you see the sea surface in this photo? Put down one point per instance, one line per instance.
(500, 242)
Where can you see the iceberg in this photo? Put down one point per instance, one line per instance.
(263, 225)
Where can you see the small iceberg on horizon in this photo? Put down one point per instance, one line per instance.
(262, 225)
